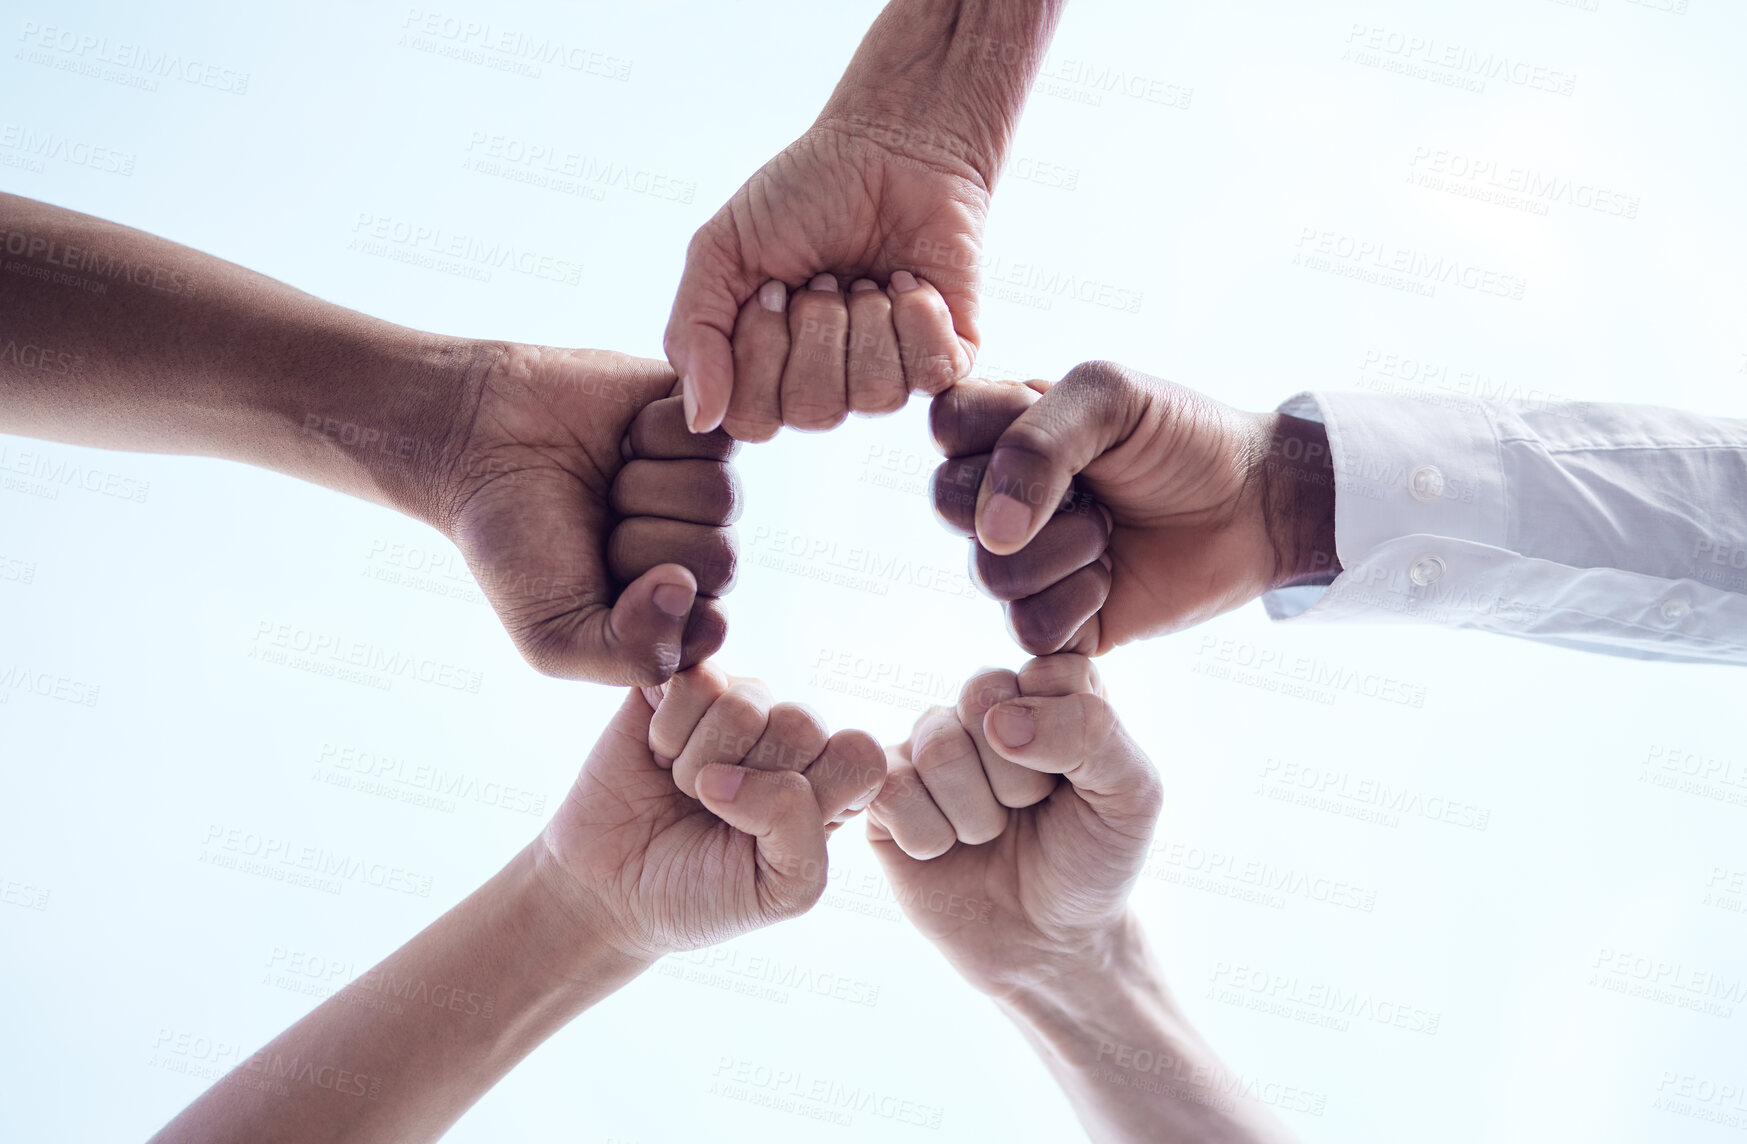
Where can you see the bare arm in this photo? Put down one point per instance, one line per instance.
(119, 339)
(1134, 1068)
(403, 1051)
(139, 343)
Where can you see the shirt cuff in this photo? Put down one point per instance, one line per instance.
(1401, 471)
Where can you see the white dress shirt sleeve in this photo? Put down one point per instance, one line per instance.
(1611, 528)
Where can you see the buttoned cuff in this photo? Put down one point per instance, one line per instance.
(1401, 471)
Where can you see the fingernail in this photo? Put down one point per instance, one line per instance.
(626, 453)
(1013, 725)
(862, 285)
(903, 281)
(662, 761)
(1109, 521)
(720, 784)
(673, 599)
(861, 803)
(824, 283)
(1109, 564)
(773, 296)
(1004, 520)
(688, 390)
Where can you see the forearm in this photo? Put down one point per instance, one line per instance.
(1131, 1066)
(404, 1050)
(120, 339)
(946, 80)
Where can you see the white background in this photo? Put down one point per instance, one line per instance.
(144, 957)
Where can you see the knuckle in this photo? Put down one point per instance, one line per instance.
(814, 415)
(1097, 374)
(938, 746)
(1035, 628)
(738, 713)
(985, 689)
(982, 832)
(1027, 789)
(932, 845)
(1097, 719)
(754, 429)
(996, 575)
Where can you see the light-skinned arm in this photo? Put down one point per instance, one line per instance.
(628, 870)
(1030, 806)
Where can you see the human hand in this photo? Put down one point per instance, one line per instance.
(839, 205)
(654, 870)
(594, 522)
(1042, 890)
(1207, 507)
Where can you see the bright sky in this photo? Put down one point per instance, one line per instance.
(1261, 131)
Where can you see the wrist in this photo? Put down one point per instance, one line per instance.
(944, 83)
(1115, 961)
(1128, 1059)
(1297, 484)
(566, 931)
(383, 412)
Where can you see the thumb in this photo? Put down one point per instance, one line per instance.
(778, 809)
(645, 631)
(1034, 462)
(1080, 738)
(701, 325)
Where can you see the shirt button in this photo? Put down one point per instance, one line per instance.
(1675, 608)
(1426, 483)
(1426, 570)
